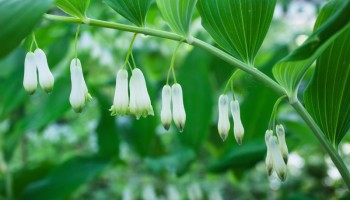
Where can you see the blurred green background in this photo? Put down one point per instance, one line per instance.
(54, 153)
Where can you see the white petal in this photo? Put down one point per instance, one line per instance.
(87, 95)
(278, 163)
(269, 161)
(237, 123)
(140, 103)
(30, 77)
(282, 142)
(77, 97)
(166, 107)
(46, 78)
(121, 96)
(224, 122)
(179, 114)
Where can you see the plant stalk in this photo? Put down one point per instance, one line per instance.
(337, 160)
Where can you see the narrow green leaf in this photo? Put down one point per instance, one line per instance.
(327, 98)
(65, 179)
(74, 7)
(240, 157)
(177, 162)
(133, 10)
(50, 110)
(107, 131)
(178, 14)
(238, 26)
(23, 15)
(290, 70)
(197, 94)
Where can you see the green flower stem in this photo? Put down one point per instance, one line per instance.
(337, 160)
(36, 44)
(231, 81)
(171, 68)
(274, 111)
(76, 45)
(233, 61)
(130, 52)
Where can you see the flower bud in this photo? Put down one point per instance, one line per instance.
(269, 162)
(224, 122)
(179, 114)
(166, 107)
(46, 78)
(238, 129)
(278, 163)
(282, 142)
(121, 96)
(30, 77)
(77, 96)
(140, 103)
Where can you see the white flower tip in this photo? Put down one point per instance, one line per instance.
(46, 78)
(223, 136)
(278, 162)
(121, 97)
(30, 76)
(237, 123)
(224, 122)
(166, 107)
(179, 114)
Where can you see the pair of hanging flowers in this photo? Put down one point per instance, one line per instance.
(37, 63)
(224, 122)
(139, 103)
(173, 96)
(277, 152)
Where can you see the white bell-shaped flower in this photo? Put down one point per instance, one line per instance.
(79, 93)
(30, 77)
(238, 129)
(269, 162)
(121, 96)
(140, 103)
(224, 122)
(166, 107)
(282, 141)
(278, 163)
(46, 78)
(179, 114)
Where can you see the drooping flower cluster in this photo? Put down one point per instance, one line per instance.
(224, 122)
(140, 102)
(79, 94)
(37, 62)
(277, 152)
(173, 97)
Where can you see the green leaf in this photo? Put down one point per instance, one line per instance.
(238, 26)
(55, 105)
(27, 175)
(178, 14)
(327, 98)
(290, 70)
(240, 157)
(178, 162)
(65, 179)
(133, 10)
(74, 7)
(197, 94)
(23, 16)
(107, 131)
(10, 82)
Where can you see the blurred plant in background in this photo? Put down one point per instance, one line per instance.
(54, 153)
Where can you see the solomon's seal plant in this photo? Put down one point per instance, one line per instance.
(226, 21)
